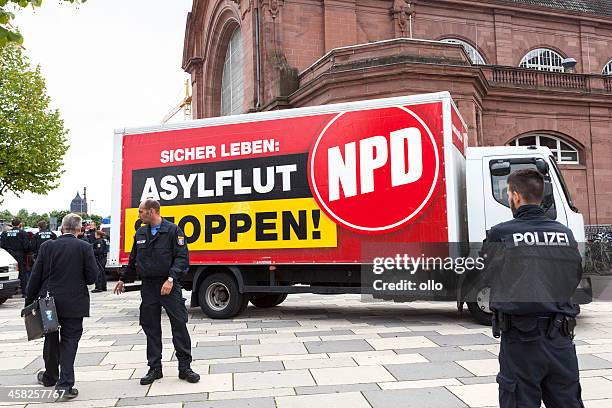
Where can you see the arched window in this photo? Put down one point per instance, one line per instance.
(608, 68)
(563, 152)
(471, 51)
(232, 81)
(543, 59)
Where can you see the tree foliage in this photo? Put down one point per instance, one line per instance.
(31, 219)
(8, 34)
(32, 136)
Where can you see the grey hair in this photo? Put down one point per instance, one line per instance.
(71, 223)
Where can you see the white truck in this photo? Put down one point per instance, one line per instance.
(290, 201)
(9, 276)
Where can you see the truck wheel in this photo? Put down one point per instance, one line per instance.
(2, 300)
(219, 296)
(269, 300)
(480, 309)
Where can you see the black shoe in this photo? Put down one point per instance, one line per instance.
(189, 375)
(67, 394)
(41, 380)
(98, 290)
(152, 375)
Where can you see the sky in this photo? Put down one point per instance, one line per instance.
(108, 64)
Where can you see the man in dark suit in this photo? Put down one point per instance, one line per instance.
(64, 268)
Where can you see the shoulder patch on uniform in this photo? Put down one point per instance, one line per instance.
(181, 240)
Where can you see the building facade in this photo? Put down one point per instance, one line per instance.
(506, 63)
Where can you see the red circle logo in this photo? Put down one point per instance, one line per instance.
(374, 170)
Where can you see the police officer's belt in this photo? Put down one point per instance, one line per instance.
(554, 324)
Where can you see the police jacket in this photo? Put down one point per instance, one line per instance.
(15, 241)
(64, 267)
(534, 265)
(160, 256)
(40, 237)
(100, 248)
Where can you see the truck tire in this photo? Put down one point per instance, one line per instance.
(480, 309)
(220, 298)
(268, 300)
(2, 300)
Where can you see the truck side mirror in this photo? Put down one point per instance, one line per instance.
(500, 168)
(548, 201)
(542, 167)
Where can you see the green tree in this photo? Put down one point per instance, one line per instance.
(8, 34)
(32, 136)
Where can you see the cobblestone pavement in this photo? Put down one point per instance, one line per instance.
(312, 351)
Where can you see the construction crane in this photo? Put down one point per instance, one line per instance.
(184, 105)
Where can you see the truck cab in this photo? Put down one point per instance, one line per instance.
(487, 169)
(9, 276)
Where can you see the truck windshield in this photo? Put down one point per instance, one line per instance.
(566, 192)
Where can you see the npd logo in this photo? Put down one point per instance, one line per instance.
(374, 170)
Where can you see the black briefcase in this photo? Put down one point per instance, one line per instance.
(40, 318)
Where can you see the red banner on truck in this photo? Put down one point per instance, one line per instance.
(280, 188)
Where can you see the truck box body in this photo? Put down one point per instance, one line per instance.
(300, 186)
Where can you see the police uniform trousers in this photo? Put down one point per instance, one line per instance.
(150, 320)
(535, 368)
(60, 350)
(101, 279)
(20, 257)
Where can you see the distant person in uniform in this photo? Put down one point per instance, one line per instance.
(100, 247)
(536, 268)
(64, 267)
(160, 256)
(17, 243)
(90, 232)
(43, 235)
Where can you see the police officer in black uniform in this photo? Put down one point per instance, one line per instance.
(100, 248)
(17, 243)
(531, 303)
(41, 236)
(160, 256)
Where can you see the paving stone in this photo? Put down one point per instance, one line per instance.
(351, 375)
(477, 395)
(246, 367)
(448, 354)
(319, 363)
(409, 334)
(207, 383)
(337, 346)
(23, 379)
(414, 398)
(340, 332)
(427, 371)
(394, 343)
(481, 368)
(462, 339)
(202, 353)
(161, 399)
(329, 389)
(91, 390)
(401, 385)
(273, 349)
(338, 400)
(478, 380)
(591, 362)
(272, 379)
(235, 395)
(241, 403)
(273, 324)
(226, 343)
